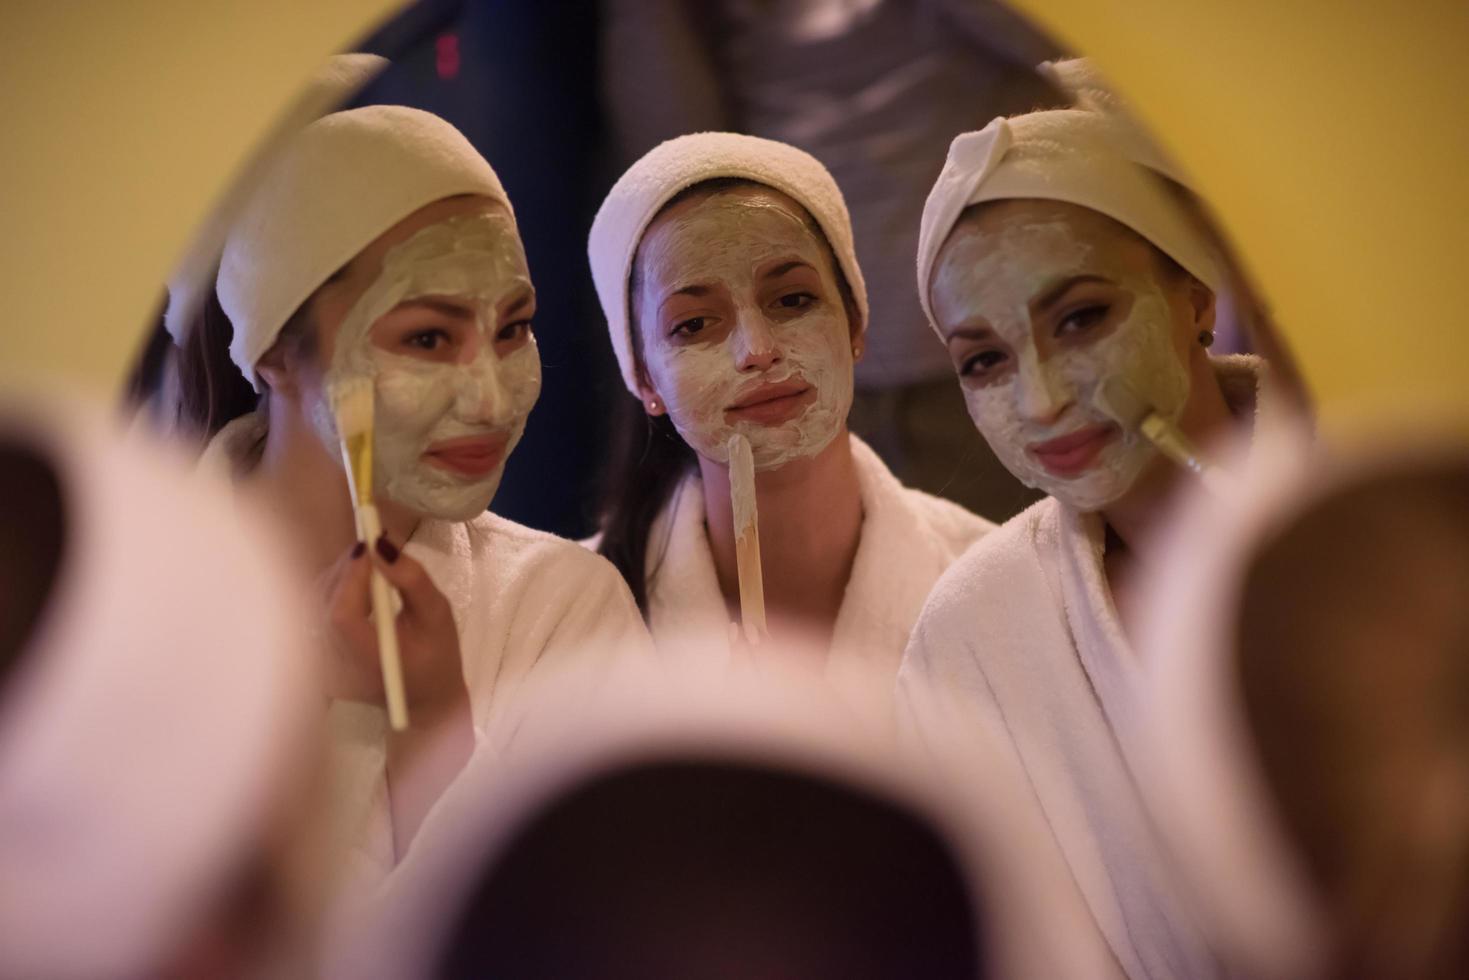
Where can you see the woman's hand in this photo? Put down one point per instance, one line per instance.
(428, 639)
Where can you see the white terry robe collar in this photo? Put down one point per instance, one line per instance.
(1091, 615)
(1107, 659)
(898, 559)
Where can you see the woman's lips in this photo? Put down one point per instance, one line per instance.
(473, 456)
(1074, 452)
(773, 403)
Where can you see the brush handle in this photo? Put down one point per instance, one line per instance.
(383, 615)
(752, 584)
(1177, 447)
(747, 539)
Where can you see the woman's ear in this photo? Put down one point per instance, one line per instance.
(648, 395)
(274, 371)
(1201, 301)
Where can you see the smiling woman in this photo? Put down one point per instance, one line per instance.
(379, 250)
(1054, 268)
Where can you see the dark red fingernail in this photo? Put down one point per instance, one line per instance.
(359, 549)
(387, 550)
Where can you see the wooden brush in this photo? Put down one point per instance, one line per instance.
(1118, 399)
(747, 538)
(352, 405)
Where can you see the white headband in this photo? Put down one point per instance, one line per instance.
(153, 716)
(340, 183)
(1068, 155)
(680, 163)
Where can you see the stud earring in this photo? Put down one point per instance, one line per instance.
(1206, 338)
(652, 405)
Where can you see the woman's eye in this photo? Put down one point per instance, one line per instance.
(513, 331)
(981, 363)
(689, 327)
(795, 301)
(427, 340)
(1082, 319)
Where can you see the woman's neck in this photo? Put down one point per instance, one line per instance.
(810, 520)
(305, 486)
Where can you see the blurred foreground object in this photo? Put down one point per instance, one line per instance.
(719, 824)
(1308, 711)
(155, 701)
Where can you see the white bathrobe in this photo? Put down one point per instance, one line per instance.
(1021, 638)
(908, 539)
(527, 605)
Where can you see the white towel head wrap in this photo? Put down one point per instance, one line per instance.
(1068, 155)
(340, 183)
(1079, 78)
(327, 89)
(152, 722)
(680, 163)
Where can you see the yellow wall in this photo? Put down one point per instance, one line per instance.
(1331, 136)
(120, 120)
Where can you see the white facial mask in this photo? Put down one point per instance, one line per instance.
(722, 242)
(477, 260)
(993, 276)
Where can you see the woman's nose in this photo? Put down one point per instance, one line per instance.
(480, 397)
(1041, 395)
(755, 345)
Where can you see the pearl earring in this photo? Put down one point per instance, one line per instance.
(652, 404)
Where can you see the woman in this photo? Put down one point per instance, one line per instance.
(380, 245)
(1050, 262)
(726, 272)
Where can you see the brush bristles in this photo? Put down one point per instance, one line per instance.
(1117, 399)
(352, 406)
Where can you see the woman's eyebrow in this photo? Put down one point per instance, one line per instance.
(1057, 290)
(525, 299)
(973, 331)
(445, 306)
(785, 267)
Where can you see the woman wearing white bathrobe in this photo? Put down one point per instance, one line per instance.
(726, 272)
(380, 245)
(1050, 260)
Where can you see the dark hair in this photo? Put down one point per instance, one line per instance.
(690, 867)
(647, 457)
(145, 379)
(34, 540)
(212, 391)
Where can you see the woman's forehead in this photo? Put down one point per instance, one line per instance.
(1013, 218)
(729, 219)
(368, 263)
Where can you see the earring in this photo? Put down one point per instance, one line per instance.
(1206, 338)
(652, 405)
(856, 350)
